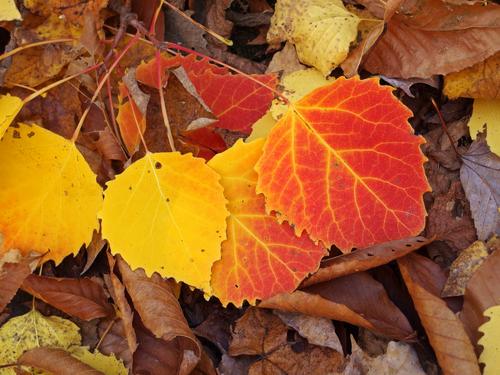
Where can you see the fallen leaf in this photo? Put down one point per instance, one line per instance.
(46, 189)
(13, 270)
(72, 10)
(166, 213)
(260, 257)
(306, 23)
(82, 298)
(489, 342)
(315, 172)
(481, 182)
(356, 299)
(114, 340)
(486, 113)
(407, 84)
(9, 108)
(462, 269)
(262, 127)
(285, 61)
(8, 11)
(106, 364)
(447, 336)
(365, 259)
(94, 248)
(480, 81)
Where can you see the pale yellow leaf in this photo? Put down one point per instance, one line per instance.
(487, 112)
(107, 364)
(262, 127)
(49, 197)
(322, 30)
(491, 342)
(9, 108)
(8, 11)
(167, 213)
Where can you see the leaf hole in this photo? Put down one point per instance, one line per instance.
(158, 165)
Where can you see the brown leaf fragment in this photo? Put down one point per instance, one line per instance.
(93, 249)
(285, 61)
(365, 259)
(114, 340)
(463, 268)
(481, 181)
(357, 299)
(454, 351)
(55, 361)
(82, 298)
(482, 292)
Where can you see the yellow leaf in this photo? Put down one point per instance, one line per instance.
(49, 197)
(108, 365)
(262, 127)
(9, 108)
(167, 213)
(491, 342)
(33, 330)
(322, 30)
(8, 11)
(487, 112)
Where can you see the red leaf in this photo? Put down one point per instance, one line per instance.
(344, 165)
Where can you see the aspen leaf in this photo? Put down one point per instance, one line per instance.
(344, 165)
(167, 213)
(490, 343)
(486, 112)
(260, 257)
(49, 196)
(8, 11)
(9, 108)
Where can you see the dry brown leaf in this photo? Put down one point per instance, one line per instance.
(365, 259)
(463, 268)
(93, 250)
(454, 351)
(55, 361)
(428, 37)
(82, 298)
(481, 293)
(357, 299)
(285, 61)
(480, 81)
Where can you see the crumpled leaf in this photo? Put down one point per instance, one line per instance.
(260, 257)
(46, 190)
(480, 179)
(454, 351)
(8, 11)
(315, 171)
(82, 298)
(166, 213)
(33, 330)
(462, 269)
(486, 113)
(306, 23)
(480, 81)
(9, 108)
(489, 342)
(56, 361)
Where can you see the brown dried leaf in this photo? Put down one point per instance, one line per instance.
(93, 249)
(365, 259)
(481, 181)
(285, 61)
(55, 361)
(114, 340)
(357, 299)
(82, 298)
(446, 333)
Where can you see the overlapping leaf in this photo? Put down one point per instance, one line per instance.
(49, 197)
(489, 342)
(260, 257)
(9, 108)
(344, 165)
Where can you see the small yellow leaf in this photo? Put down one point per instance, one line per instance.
(33, 330)
(262, 127)
(8, 11)
(322, 30)
(9, 108)
(486, 111)
(49, 197)
(108, 365)
(491, 342)
(167, 213)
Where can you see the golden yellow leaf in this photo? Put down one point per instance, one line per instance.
(8, 11)
(491, 342)
(107, 364)
(49, 197)
(9, 108)
(33, 330)
(262, 127)
(486, 111)
(322, 30)
(167, 213)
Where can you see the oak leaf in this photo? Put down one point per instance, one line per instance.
(49, 197)
(344, 165)
(260, 257)
(489, 342)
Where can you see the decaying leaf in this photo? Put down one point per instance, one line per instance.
(285, 61)
(485, 115)
(489, 342)
(306, 23)
(9, 108)
(166, 213)
(260, 257)
(315, 172)
(8, 11)
(13, 270)
(46, 190)
(481, 182)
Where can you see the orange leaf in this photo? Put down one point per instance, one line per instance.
(344, 165)
(260, 257)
